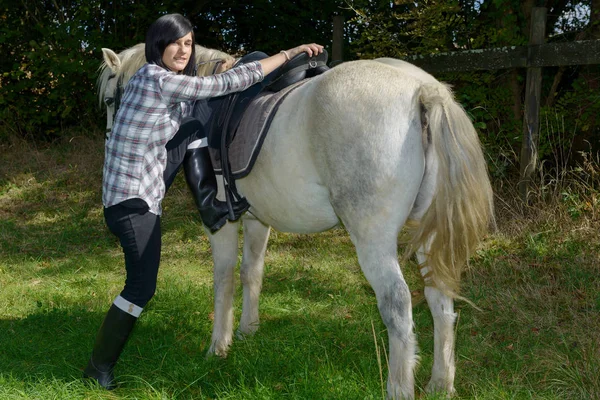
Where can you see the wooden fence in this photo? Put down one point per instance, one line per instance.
(534, 57)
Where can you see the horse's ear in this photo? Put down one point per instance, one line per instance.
(111, 59)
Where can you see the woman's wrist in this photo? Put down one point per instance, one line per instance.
(293, 52)
(286, 54)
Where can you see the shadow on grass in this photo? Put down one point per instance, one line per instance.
(166, 351)
(51, 203)
(315, 285)
(59, 227)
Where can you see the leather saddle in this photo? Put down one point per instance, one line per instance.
(222, 115)
(227, 111)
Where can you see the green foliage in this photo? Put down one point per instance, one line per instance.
(380, 31)
(49, 70)
(582, 103)
(265, 25)
(51, 53)
(31, 86)
(573, 203)
(51, 48)
(49, 89)
(429, 23)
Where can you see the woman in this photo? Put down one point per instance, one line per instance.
(142, 156)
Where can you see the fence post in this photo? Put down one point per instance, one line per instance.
(531, 123)
(337, 47)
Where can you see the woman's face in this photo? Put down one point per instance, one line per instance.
(177, 54)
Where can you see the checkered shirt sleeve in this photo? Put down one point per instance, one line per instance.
(154, 103)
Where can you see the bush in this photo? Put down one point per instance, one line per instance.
(48, 79)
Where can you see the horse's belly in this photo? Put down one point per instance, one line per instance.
(285, 190)
(292, 206)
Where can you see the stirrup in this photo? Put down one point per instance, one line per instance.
(239, 208)
(216, 216)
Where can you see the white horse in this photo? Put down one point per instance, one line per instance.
(374, 145)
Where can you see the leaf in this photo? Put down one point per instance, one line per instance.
(480, 125)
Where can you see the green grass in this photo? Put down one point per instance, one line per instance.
(536, 281)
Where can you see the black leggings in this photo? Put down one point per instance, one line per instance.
(138, 229)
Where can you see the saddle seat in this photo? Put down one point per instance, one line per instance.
(299, 67)
(227, 111)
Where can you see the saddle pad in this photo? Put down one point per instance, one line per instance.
(251, 133)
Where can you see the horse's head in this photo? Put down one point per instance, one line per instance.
(108, 83)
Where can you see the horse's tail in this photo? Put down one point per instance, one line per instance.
(462, 206)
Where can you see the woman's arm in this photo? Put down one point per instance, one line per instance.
(177, 88)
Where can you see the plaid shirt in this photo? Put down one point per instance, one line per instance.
(154, 103)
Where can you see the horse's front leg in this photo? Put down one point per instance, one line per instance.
(442, 310)
(224, 245)
(256, 236)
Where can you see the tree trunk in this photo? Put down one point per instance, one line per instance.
(515, 88)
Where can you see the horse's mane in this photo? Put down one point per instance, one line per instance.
(134, 58)
(206, 54)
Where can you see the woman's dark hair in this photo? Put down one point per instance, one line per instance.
(164, 31)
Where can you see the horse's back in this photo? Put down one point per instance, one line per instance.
(408, 69)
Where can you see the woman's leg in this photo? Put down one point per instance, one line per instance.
(189, 148)
(139, 233)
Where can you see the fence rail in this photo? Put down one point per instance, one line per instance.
(583, 52)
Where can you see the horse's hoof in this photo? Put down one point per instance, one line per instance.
(440, 387)
(216, 351)
(396, 392)
(249, 331)
(239, 335)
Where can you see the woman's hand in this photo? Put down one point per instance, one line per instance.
(311, 49)
(224, 66)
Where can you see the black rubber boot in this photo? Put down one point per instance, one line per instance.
(201, 180)
(110, 341)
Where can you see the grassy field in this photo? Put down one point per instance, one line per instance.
(536, 281)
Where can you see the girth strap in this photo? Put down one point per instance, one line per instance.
(231, 192)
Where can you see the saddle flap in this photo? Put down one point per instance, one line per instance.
(244, 149)
(227, 111)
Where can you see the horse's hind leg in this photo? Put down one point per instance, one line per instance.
(442, 310)
(379, 262)
(256, 235)
(224, 246)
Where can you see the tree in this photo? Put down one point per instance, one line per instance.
(494, 98)
(51, 48)
(265, 25)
